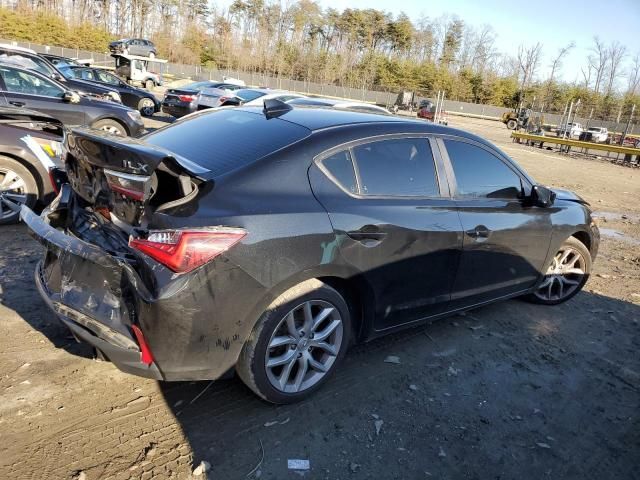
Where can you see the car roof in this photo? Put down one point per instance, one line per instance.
(6, 46)
(320, 118)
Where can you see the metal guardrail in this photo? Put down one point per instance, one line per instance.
(575, 143)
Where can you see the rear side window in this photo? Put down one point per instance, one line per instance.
(397, 167)
(480, 173)
(225, 140)
(340, 167)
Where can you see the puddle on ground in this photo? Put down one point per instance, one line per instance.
(611, 233)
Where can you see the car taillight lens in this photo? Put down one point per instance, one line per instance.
(136, 187)
(187, 98)
(185, 250)
(223, 99)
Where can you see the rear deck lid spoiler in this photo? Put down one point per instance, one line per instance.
(123, 154)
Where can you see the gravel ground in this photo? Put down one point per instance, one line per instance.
(507, 391)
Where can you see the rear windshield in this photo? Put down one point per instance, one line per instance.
(248, 95)
(228, 139)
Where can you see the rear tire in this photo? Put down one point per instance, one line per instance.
(17, 187)
(149, 84)
(565, 277)
(110, 126)
(283, 363)
(152, 55)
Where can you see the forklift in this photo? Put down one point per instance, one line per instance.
(517, 119)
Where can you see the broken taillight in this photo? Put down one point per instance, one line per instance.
(185, 250)
(136, 187)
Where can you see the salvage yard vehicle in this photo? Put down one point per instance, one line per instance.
(595, 134)
(181, 101)
(270, 239)
(31, 171)
(136, 70)
(26, 58)
(134, 46)
(427, 111)
(339, 104)
(570, 130)
(20, 87)
(256, 96)
(137, 98)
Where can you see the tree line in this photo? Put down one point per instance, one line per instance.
(358, 48)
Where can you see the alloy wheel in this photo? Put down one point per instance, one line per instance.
(13, 193)
(111, 129)
(148, 108)
(304, 346)
(564, 276)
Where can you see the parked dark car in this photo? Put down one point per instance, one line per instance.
(31, 170)
(182, 101)
(137, 98)
(20, 87)
(134, 46)
(271, 239)
(26, 58)
(59, 61)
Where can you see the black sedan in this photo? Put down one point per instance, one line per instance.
(182, 101)
(31, 171)
(29, 59)
(269, 240)
(21, 87)
(137, 98)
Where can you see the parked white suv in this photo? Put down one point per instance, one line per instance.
(571, 130)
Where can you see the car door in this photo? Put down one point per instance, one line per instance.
(395, 223)
(31, 90)
(505, 241)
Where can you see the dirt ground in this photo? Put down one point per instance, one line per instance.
(508, 391)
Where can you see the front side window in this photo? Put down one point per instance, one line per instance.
(397, 167)
(106, 77)
(19, 81)
(479, 173)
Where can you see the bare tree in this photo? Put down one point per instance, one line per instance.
(528, 60)
(634, 76)
(557, 62)
(598, 62)
(616, 53)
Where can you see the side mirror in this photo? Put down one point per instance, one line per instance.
(542, 196)
(58, 77)
(71, 97)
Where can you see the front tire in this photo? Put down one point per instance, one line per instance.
(567, 274)
(147, 107)
(297, 344)
(110, 126)
(512, 124)
(17, 188)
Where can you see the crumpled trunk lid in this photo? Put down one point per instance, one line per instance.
(121, 175)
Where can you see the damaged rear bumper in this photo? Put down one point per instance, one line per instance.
(97, 321)
(83, 328)
(194, 324)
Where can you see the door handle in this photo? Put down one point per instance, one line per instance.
(17, 104)
(368, 232)
(479, 232)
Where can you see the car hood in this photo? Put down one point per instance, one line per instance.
(568, 195)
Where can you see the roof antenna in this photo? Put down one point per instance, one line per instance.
(273, 108)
